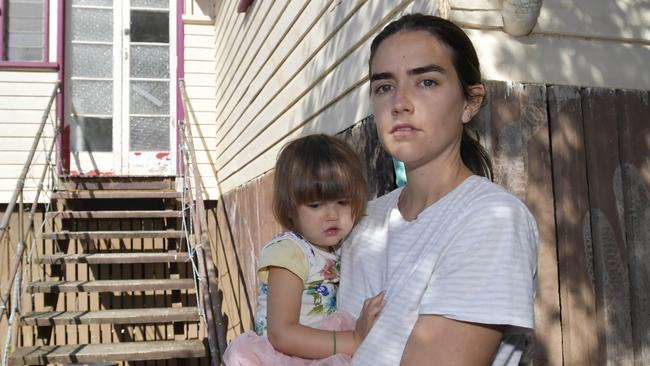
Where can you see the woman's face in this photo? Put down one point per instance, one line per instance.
(417, 100)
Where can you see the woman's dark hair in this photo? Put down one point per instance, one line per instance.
(465, 61)
(317, 168)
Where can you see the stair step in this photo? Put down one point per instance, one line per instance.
(121, 316)
(99, 194)
(88, 183)
(62, 235)
(113, 214)
(89, 353)
(110, 285)
(120, 258)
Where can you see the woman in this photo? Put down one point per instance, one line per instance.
(455, 252)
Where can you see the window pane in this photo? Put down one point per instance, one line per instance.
(150, 61)
(92, 96)
(92, 60)
(25, 30)
(92, 25)
(149, 97)
(149, 26)
(157, 4)
(91, 134)
(149, 134)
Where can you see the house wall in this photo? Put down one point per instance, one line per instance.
(288, 68)
(23, 99)
(200, 65)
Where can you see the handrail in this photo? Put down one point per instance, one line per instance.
(20, 184)
(214, 317)
(15, 278)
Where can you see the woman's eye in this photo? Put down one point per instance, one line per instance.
(427, 83)
(384, 88)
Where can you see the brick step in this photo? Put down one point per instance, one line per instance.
(116, 194)
(121, 316)
(139, 234)
(106, 352)
(113, 214)
(117, 258)
(110, 285)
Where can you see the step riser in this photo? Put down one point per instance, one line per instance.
(85, 195)
(110, 286)
(130, 316)
(170, 234)
(113, 215)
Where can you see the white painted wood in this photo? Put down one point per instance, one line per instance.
(563, 61)
(271, 58)
(334, 62)
(476, 4)
(488, 19)
(28, 76)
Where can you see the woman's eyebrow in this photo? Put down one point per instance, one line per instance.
(425, 69)
(381, 76)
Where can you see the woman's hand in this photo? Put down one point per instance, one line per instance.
(372, 307)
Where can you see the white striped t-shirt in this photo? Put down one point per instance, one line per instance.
(470, 256)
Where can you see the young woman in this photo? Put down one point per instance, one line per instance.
(319, 194)
(455, 252)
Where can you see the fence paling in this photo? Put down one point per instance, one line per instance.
(206, 267)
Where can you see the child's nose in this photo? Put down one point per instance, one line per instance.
(332, 212)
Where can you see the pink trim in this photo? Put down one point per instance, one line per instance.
(29, 65)
(180, 74)
(2, 30)
(63, 136)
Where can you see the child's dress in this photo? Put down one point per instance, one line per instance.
(319, 271)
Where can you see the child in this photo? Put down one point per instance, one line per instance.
(319, 194)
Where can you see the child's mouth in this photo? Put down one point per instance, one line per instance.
(333, 231)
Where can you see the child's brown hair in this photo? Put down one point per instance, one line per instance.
(317, 168)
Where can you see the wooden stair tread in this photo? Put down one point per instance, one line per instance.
(110, 285)
(120, 316)
(113, 214)
(121, 258)
(101, 194)
(128, 351)
(117, 234)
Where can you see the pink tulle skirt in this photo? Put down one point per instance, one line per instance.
(249, 349)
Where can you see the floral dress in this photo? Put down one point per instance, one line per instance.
(319, 271)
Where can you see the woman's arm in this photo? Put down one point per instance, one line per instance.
(287, 335)
(436, 340)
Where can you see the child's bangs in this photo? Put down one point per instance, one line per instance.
(329, 183)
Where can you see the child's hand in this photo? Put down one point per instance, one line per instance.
(372, 307)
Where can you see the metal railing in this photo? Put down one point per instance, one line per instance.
(207, 279)
(24, 230)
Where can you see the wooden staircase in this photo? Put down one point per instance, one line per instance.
(112, 283)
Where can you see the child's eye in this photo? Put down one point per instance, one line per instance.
(384, 88)
(344, 202)
(428, 83)
(314, 204)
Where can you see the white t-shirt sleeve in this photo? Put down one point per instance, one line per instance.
(487, 273)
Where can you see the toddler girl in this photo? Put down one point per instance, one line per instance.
(319, 194)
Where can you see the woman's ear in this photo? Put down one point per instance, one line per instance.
(474, 102)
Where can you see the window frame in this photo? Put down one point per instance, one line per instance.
(26, 64)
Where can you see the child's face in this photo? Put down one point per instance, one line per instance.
(325, 223)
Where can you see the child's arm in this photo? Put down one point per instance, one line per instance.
(288, 336)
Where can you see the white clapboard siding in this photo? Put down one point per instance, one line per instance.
(200, 64)
(305, 87)
(23, 98)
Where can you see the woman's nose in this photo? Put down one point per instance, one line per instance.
(401, 101)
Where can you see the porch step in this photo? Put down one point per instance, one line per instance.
(120, 258)
(63, 235)
(92, 353)
(99, 194)
(121, 316)
(110, 285)
(113, 214)
(87, 183)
